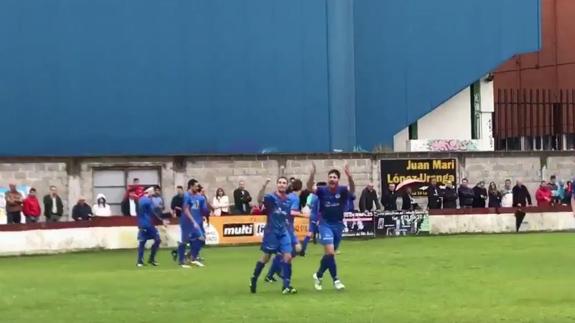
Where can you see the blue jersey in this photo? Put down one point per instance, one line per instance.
(294, 205)
(197, 205)
(332, 205)
(145, 212)
(350, 207)
(313, 204)
(278, 212)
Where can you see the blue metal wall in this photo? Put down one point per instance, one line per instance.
(108, 77)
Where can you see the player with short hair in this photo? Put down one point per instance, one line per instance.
(194, 208)
(294, 195)
(146, 228)
(312, 203)
(277, 206)
(332, 202)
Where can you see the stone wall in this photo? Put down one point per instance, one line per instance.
(73, 176)
(40, 175)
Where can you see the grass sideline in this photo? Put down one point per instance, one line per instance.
(485, 278)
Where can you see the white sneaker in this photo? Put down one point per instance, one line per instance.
(197, 264)
(140, 264)
(185, 266)
(338, 285)
(317, 282)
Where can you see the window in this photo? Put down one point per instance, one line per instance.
(113, 182)
(413, 131)
(475, 110)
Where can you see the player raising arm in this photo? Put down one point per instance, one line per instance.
(277, 207)
(146, 229)
(332, 202)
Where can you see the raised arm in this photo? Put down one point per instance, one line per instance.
(311, 178)
(262, 191)
(349, 178)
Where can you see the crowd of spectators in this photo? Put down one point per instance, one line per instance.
(550, 193)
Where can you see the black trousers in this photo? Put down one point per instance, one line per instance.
(14, 217)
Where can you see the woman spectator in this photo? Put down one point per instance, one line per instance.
(101, 208)
(494, 196)
(221, 203)
(543, 195)
(558, 193)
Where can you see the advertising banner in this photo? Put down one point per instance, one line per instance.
(358, 225)
(242, 229)
(398, 170)
(401, 223)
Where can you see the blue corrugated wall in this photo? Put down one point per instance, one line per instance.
(151, 77)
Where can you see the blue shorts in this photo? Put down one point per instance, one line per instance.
(148, 233)
(273, 243)
(190, 233)
(330, 233)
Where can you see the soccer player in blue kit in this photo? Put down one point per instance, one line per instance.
(294, 196)
(278, 206)
(191, 224)
(332, 203)
(312, 203)
(146, 228)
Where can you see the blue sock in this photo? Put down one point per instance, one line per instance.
(276, 266)
(141, 248)
(332, 267)
(304, 243)
(258, 270)
(196, 245)
(286, 266)
(181, 253)
(155, 247)
(323, 265)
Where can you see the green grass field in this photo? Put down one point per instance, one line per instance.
(495, 278)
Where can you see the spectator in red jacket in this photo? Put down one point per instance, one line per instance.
(31, 207)
(544, 195)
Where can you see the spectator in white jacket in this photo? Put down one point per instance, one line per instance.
(221, 203)
(101, 208)
(507, 194)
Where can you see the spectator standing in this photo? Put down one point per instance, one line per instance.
(389, 199)
(242, 199)
(158, 201)
(553, 183)
(543, 195)
(465, 194)
(53, 206)
(521, 196)
(13, 205)
(177, 202)
(130, 203)
(558, 194)
(494, 196)
(507, 194)
(81, 211)
(368, 199)
(433, 195)
(408, 203)
(449, 196)
(221, 203)
(568, 193)
(101, 208)
(136, 187)
(479, 195)
(31, 207)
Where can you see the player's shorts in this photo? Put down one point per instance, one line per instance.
(273, 243)
(189, 233)
(330, 233)
(148, 233)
